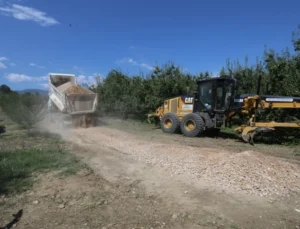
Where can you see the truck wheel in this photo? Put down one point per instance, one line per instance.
(170, 123)
(192, 125)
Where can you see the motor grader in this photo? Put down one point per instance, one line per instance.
(214, 104)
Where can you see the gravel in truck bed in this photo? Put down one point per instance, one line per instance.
(71, 88)
(76, 90)
(248, 171)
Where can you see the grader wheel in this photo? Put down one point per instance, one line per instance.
(170, 123)
(192, 125)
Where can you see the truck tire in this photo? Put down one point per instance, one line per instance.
(170, 123)
(192, 125)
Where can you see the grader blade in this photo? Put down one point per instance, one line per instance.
(249, 133)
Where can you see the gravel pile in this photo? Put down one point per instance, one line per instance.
(255, 173)
(71, 88)
(75, 90)
(250, 172)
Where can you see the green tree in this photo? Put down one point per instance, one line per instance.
(5, 89)
(26, 110)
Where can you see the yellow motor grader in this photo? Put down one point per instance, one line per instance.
(214, 104)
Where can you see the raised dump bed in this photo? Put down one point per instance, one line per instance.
(69, 97)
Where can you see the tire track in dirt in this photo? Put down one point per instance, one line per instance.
(250, 172)
(125, 159)
(157, 166)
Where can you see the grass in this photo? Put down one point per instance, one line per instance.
(17, 167)
(23, 155)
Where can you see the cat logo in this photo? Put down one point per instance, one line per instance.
(188, 100)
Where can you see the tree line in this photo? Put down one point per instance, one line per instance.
(135, 96)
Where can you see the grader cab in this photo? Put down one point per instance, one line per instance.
(215, 103)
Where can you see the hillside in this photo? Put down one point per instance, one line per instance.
(42, 92)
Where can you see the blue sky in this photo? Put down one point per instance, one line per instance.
(92, 37)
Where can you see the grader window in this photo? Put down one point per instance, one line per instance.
(223, 95)
(206, 94)
(220, 98)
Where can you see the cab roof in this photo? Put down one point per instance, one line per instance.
(216, 79)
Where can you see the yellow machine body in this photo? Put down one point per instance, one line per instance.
(253, 103)
(180, 105)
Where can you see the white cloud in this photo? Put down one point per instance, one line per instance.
(25, 13)
(42, 78)
(89, 80)
(81, 79)
(18, 78)
(147, 66)
(45, 85)
(36, 65)
(128, 60)
(2, 65)
(2, 58)
(12, 64)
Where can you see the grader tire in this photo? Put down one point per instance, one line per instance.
(192, 125)
(170, 123)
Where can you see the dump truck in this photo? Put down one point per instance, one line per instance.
(71, 100)
(215, 103)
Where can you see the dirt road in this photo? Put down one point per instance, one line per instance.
(202, 183)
